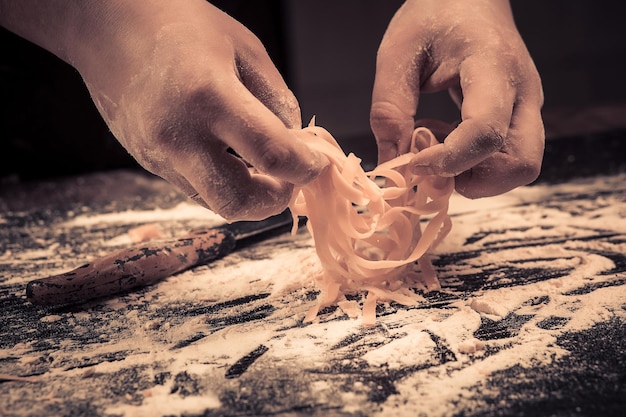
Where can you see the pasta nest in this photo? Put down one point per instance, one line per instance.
(371, 228)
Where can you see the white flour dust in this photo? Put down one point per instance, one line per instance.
(520, 259)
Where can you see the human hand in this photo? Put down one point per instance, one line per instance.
(182, 85)
(472, 49)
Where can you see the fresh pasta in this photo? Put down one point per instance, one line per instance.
(368, 236)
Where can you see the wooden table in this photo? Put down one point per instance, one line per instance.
(531, 319)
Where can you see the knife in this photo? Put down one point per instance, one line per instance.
(148, 263)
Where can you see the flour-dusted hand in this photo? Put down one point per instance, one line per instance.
(472, 49)
(182, 85)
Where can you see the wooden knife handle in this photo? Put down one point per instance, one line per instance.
(131, 268)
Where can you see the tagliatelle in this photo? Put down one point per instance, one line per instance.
(367, 236)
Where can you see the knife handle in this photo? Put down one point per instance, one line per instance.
(131, 268)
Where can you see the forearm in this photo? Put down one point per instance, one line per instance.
(70, 29)
(47, 23)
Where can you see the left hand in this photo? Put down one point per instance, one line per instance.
(472, 49)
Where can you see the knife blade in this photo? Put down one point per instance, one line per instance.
(148, 263)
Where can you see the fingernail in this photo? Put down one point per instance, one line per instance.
(422, 169)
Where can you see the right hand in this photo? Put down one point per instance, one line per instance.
(182, 85)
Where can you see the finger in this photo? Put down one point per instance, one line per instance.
(261, 77)
(486, 115)
(262, 139)
(395, 98)
(491, 177)
(219, 181)
(225, 185)
(518, 164)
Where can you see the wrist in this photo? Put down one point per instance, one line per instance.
(57, 26)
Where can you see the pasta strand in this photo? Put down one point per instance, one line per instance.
(367, 236)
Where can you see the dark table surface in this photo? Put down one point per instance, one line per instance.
(531, 319)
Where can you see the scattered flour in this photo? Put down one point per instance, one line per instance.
(182, 211)
(159, 401)
(399, 340)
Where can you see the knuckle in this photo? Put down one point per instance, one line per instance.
(188, 112)
(492, 138)
(389, 123)
(198, 100)
(527, 172)
(384, 113)
(251, 47)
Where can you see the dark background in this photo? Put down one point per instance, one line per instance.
(326, 51)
